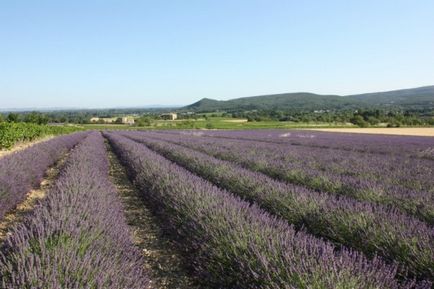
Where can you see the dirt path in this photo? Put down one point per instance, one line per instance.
(17, 215)
(413, 131)
(162, 261)
(23, 145)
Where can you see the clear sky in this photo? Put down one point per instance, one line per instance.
(134, 53)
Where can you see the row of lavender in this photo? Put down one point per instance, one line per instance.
(383, 167)
(400, 181)
(372, 229)
(77, 236)
(21, 171)
(362, 165)
(393, 144)
(235, 244)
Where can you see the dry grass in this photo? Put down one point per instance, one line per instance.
(235, 120)
(412, 131)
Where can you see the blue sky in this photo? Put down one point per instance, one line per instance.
(135, 53)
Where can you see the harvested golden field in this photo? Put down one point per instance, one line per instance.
(416, 131)
(236, 120)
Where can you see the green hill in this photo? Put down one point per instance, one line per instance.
(416, 98)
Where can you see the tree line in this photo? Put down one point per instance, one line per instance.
(361, 118)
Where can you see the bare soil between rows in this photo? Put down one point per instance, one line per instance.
(163, 262)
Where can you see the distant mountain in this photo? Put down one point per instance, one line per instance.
(75, 109)
(206, 103)
(415, 98)
(284, 101)
(40, 109)
(421, 97)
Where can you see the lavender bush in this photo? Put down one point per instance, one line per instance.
(387, 168)
(367, 143)
(23, 170)
(233, 244)
(394, 160)
(77, 236)
(403, 182)
(370, 228)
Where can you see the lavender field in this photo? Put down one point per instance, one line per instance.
(241, 209)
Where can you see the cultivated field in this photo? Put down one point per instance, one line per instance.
(415, 131)
(23, 145)
(218, 209)
(16, 133)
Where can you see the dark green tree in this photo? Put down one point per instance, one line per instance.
(12, 117)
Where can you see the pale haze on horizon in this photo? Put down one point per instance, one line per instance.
(138, 53)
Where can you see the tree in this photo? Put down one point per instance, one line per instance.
(143, 121)
(12, 117)
(359, 121)
(394, 123)
(373, 120)
(36, 117)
